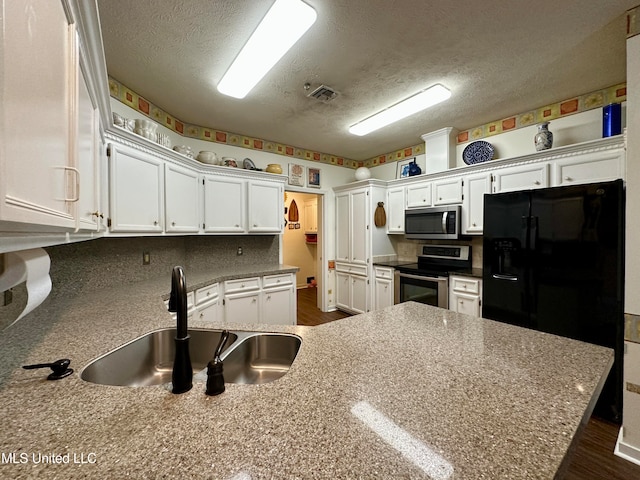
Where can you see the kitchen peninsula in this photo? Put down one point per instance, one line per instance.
(409, 391)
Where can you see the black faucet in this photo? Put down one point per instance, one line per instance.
(182, 377)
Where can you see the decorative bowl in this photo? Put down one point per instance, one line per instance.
(229, 162)
(274, 168)
(184, 150)
(207, 157)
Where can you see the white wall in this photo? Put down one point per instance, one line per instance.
(569, 130)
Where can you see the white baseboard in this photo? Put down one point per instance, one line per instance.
(626, 451)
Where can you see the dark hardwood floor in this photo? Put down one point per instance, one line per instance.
(593, 457)
(310, 314)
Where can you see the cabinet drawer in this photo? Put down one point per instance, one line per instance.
(350, 268)
(465, 285)
(207, 293)
(242, 284)
(383, 272)
(277, 280)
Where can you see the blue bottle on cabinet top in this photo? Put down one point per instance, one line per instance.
(414, 169)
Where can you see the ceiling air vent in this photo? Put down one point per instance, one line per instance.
(323, 93)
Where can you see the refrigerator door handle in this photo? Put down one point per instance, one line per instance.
(533, 232)
(500, 276)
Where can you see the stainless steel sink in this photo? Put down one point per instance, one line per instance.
(260, 358)
(249, 357)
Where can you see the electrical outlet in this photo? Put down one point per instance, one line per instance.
(239, 252)
(146, 258)
(329, 292)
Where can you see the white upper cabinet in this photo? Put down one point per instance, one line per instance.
(447, 191)
(88, 150)
(136, 190)
(419, 195)
(395, 209)
(521, 177)
(224, 204)
(39, 179)
(182, 199)
(266, 207)
(352, 239)
(472, 212)
(591, 167)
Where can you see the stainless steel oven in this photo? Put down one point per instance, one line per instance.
(427, 280)
(431, 290)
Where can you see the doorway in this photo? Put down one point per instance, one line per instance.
(302, 241)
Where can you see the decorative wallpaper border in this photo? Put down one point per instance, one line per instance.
(582, 103)
(130, 98)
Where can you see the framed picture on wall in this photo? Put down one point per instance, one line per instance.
(402, 166)
(313, 177)
(296, 175)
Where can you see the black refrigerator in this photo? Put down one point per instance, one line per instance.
(553, 260)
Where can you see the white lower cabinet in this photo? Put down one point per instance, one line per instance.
(270, 299)
(383, 289)
(352, 288)
(465, 294)
(207, 301)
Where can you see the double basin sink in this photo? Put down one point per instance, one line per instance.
(249, 357)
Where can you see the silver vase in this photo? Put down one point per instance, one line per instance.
(544, 138)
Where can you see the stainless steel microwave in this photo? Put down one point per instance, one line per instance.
(432, 223)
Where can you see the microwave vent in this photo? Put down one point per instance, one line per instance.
(323, 93)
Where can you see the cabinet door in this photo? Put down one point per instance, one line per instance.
(467, 304)
(278, 306)
(88, 150)
(589, 168)
(39, 182)
(266, 207)
(359, 226)
(136, 191)
(342, 227)
(395, 210)
(224, 205)
(182, 199)
(242, 307)
(384, 293)
(475, 187)
(343, 289)
(209, 312)
(311, 216)
(359, 294)
(447, 191)
(521, 177)
(419, 195)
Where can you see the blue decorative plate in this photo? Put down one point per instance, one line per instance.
(477, 152)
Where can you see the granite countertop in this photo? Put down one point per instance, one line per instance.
(411, 391)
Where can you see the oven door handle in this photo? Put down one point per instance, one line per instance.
(423, 277)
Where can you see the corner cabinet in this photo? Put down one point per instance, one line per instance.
(155, 190)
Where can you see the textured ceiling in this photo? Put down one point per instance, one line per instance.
(498, 57)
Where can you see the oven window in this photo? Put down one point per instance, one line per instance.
(419, 290)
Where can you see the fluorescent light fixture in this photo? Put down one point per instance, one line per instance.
(420, 101)
(285, 22)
